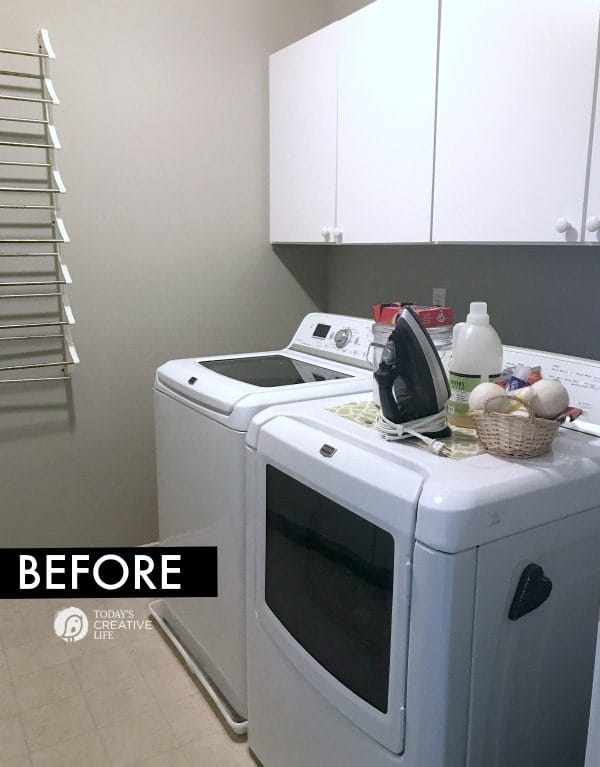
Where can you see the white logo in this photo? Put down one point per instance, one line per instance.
(71, 624)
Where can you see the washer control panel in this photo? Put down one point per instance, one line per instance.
(347, 339)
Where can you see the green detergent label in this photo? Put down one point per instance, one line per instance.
(461, 386)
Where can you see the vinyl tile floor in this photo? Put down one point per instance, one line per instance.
(124, 701)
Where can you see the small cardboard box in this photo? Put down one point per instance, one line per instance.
(429, 316)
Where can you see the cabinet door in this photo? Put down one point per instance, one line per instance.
(386, 93)
(592, 229)
(303, 121)
(516, 85)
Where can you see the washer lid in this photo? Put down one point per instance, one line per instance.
(220, 383)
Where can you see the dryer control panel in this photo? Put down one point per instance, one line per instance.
(335, 337)
(581, 378)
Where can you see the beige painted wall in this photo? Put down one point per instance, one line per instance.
(341, 8)
(164, 123)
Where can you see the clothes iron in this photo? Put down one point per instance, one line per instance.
(413, 387)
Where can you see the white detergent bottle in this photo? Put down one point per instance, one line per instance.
(476, 357)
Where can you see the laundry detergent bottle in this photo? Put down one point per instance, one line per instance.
(476, 357)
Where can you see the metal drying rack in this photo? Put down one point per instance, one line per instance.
(33, 198)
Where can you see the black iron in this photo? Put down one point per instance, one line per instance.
(411, 378)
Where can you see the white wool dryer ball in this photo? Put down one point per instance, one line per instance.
(551, 398)
(483, 392)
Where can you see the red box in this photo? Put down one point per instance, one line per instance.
(429, 316)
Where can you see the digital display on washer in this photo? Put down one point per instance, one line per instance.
(271, 370)
(329, 577)
(321, 331)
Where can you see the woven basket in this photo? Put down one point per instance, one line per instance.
(512, 435)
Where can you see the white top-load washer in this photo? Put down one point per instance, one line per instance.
(412, 610)
(203, 407)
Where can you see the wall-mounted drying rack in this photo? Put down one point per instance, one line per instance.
(34, 309)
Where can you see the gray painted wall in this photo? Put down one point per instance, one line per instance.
(541, 297)
(164, 123)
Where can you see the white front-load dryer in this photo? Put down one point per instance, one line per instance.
(412, 610)
(203, 407)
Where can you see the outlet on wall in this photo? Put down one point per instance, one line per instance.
(439, 297)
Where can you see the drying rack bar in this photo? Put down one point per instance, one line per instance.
(32, 338)
(27, 255)
(58, 223)
(28, 99)
(27, 207)
(11, 73)
(37, 365)
(11, 119)
(25, 144)
(30, 295)
(45, 48)
(23, 325)
(32, 54)
(34, 380)
(31, 240)
(22, 164)
(31, 284)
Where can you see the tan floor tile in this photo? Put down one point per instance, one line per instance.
(12, 738)
(120, 700)
(14, 608)
(35, 623)
(47, 686)
(8, 702)
(152, 657)
(35, 656)
(19, 761)
(172, 684)
(51, 724)
(92, 646)
(137, 739)
(218, 752)
(170, 759)
(139, 636)
(191, 718)
(85, 749)
(109, 663)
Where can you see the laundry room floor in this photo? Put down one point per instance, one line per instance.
(123, 701)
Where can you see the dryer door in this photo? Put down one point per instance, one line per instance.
(334, 539)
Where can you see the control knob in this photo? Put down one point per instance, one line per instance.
(342, 337)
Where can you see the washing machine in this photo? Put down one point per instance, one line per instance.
(412, 610)
(203, 407)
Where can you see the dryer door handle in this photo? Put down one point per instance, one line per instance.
(533, 590)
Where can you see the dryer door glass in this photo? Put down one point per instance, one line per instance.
(329, 581)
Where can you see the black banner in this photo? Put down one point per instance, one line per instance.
(189, 571)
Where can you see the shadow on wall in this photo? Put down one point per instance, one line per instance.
(308, 265)
(542, 297)
(36, 409)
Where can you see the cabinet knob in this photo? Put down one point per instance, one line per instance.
(338, 234)
(563, 225)
(593, 224)
(326, 233)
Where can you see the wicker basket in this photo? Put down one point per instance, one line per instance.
(512, 435)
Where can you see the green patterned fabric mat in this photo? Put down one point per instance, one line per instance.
(463, 443)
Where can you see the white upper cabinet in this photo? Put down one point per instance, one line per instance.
(516, 82)
(592, 223)
(386, 110)
(303, 120)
